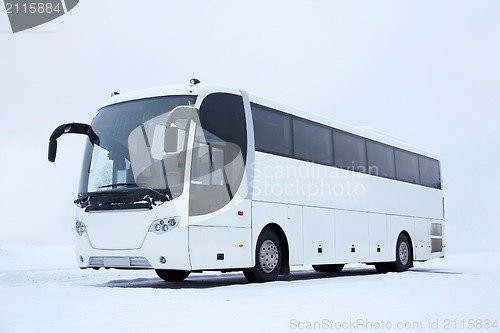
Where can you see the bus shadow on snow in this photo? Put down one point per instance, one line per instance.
(205, 281)
(435, 271)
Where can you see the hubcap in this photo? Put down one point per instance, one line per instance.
(268, 256)
(403, 253)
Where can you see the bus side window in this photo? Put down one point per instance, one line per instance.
(429, 172)
(380, 160)
(349, 151)
(407, 167)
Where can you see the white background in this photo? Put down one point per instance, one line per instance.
(427, 72)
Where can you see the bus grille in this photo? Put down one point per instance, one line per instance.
(119, 262)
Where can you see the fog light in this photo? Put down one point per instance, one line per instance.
(81, 259)
(163, 260)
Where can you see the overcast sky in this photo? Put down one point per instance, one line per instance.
(427, 72)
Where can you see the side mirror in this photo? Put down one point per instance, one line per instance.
(76, 128)
(171, 139)
(52, 150)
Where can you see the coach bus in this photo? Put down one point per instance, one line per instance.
(194, 178)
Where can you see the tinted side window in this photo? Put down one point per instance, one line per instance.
(273, 131)
(429, 172)
(312, 142)
(350, 151)
(219, 153)
(407, 167)
(224, 116)
(380, 160)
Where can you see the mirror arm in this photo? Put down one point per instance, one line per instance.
(76, 128)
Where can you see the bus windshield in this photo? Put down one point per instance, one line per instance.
(137, 148)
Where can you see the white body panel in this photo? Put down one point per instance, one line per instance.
(319, 235)
(351, 236)
(172, 246)
(285, 180)
(422, 239)
(379, 246)
(118, 230)
(220, 247)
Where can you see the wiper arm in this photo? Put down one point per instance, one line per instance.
(83, 200)
(162, 196)
(124, 185)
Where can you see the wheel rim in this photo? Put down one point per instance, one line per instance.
(268, 256)
(403, 253)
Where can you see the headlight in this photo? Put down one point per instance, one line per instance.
(161, 226)
(80, 228)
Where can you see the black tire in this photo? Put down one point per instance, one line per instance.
(404, 255)
(333, 268)
(268, 258)
(172, 275)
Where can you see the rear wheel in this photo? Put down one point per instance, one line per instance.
(172, 275)
(383, 267)
(268, 258)
(333, 268)
(404, 257)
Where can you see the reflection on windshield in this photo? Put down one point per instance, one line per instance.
(136, 147)
(151, 164)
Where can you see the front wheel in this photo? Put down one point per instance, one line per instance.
(268, 258)
(172, 275)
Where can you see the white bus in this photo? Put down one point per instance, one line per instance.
(195, 178)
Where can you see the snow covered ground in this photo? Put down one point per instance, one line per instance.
(41, 290)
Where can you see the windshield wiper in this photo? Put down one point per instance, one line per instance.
(124, 185)
(158, 197)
